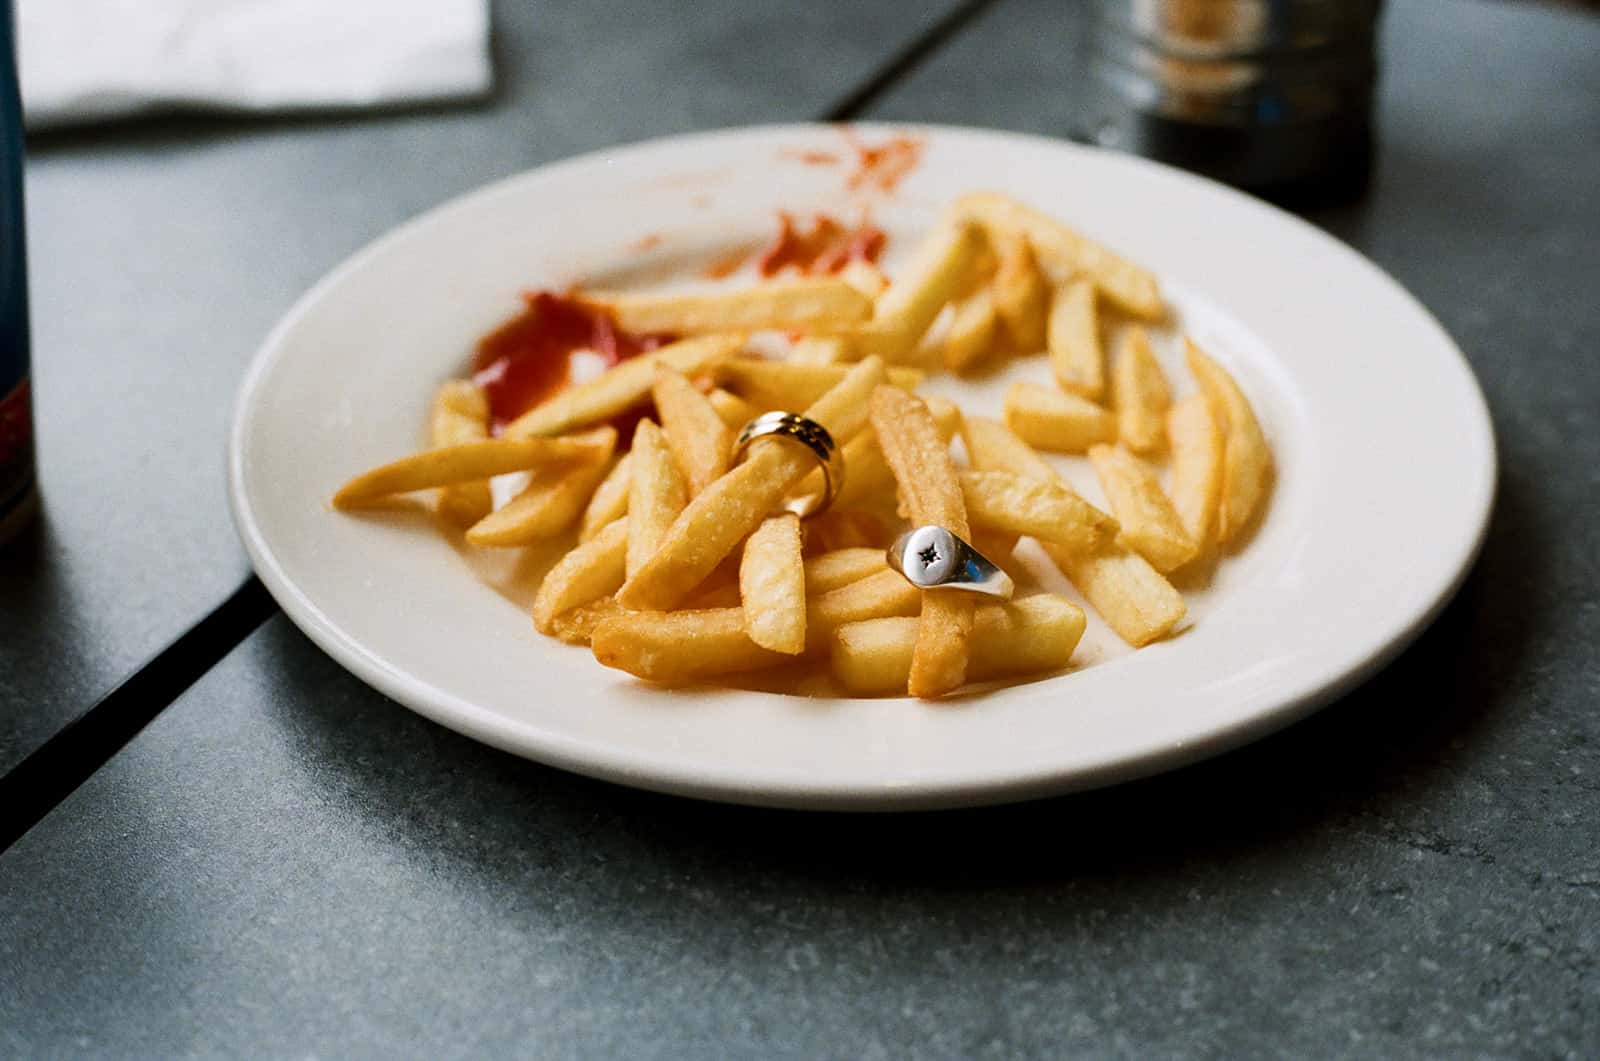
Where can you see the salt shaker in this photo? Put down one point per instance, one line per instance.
(1274, 96)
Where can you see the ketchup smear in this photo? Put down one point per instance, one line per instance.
(821, 250)
(529, 358)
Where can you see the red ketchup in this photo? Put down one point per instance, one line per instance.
(821, 250)
(528, 359)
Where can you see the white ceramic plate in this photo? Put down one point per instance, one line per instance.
(1383, 444)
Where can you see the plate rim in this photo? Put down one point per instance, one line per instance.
(593, 759)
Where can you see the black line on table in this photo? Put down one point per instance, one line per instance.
(906, 60)
(45, 778)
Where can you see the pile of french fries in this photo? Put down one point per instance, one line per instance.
(684, 567)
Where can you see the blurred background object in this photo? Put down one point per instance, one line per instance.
(91, 60)
(1270, 95)
(18, 496)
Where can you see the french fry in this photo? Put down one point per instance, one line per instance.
(932, 494)
(1054, 420)
(867, 475)
(1131, 596)
(772, 585)
(1134, 599)
(698, 438)
(1139, 394)
(840, 567)
(465, 463)
(551, 502)
(678, 648)
(1021, 295)
(1246, 458)
(787, 385)
(991, 446)
(1064, 252)
(1150, 526)
(1046, 509)
(621, 387)
(1196, 486)
(844, 529)
(1073, 336)
(587, 573)
(935, 274)
(734, 410)
(461, 414)
(576, 625)
(1032, 635)
(865, 277)
(730, 508)
(874, 597)
(609, 501)
(656, 495)
(972, 327)
(778, 305)
(820, 350)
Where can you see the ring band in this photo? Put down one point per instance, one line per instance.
(814, 438)
(932, 558)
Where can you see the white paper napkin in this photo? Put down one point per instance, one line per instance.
(89, 60)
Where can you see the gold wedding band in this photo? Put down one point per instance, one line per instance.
(814, 438)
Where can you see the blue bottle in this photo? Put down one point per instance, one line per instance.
(18, 490)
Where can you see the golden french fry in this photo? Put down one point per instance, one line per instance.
(461, 414)
(865, 277)
(787, 385)
(1246, 458)
(840, 567)
(772, 585)
(1021, 294)
(621, 387)
(1139, 394)
(932, 494)
(1073, 335)
(874, 597)
(1055, 420)
(991, 446)
(1032, 635)
(734, 410)
(466, 462)
(677, 648)
(1134, 599)
(610, 500)
(656, 495)
(586, 574)
(730, 508)
(714, 592)
(1196, 487)
(820, 350)
(576, 625)
(698, 438)
(549, 504)
(934, 276)
(1131, 596)
(778, 305)
(838, 529)
(1150, 526)
(1046, 509)
(867, 475)
(972, 327)
(1064, 252)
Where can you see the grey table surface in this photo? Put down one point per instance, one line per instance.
(286, 863)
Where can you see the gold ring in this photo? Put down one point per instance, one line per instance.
(814, 438)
